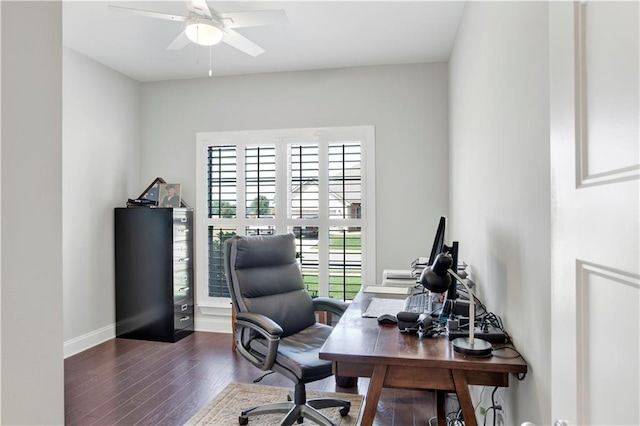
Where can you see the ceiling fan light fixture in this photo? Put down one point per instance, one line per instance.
(203, 33)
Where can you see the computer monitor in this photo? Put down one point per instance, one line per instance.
(440, 247)
(438, 241)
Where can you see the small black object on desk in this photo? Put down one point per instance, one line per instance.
(387, 319)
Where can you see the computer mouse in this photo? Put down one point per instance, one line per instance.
(387, 319)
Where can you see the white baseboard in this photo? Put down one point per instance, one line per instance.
(89, 340)
(217, 323)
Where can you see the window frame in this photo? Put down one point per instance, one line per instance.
(281, 138)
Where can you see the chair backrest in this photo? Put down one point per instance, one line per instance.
(264, 277)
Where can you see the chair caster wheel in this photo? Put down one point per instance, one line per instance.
(345, 410)
(243, 420)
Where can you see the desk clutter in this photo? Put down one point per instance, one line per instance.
(435, 307)
(421, 313)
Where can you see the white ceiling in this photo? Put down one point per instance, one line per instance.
(319, 35)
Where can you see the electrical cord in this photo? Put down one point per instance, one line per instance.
(454, 418)
(504, 348)
(484, 317)
(263, 376)
(493, 407)
(434, 330)
(457, 420)
(519, 376)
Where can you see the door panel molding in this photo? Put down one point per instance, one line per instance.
(584, 176)
(618, 281)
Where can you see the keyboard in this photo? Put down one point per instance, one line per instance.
(418, 303)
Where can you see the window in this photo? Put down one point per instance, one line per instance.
(316, 183)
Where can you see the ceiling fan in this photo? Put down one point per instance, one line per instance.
(207, 27)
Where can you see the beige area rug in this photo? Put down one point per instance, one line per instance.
(225, 408)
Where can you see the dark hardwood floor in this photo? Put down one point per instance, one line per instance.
(135, 382)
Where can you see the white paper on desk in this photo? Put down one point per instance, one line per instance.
(379, 306)
(401, 282)
(389, 291)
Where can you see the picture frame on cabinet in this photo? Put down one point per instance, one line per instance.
(152, 191)
(169, 195)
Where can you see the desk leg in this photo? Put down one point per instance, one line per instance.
(464, 398)
(373, 394)
(441, 415)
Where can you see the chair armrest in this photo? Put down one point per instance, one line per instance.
(328, 304)
(264, 326)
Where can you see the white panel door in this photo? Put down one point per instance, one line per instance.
(595, 166)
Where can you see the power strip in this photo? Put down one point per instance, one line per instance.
(493, 335)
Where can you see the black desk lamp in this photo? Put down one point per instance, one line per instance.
(437, 278)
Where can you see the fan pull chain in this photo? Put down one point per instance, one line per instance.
(210, 72)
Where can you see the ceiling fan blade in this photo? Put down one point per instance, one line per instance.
(253, 18)
(242, 43)
(199, 7)
(149, 13)
(179, 42)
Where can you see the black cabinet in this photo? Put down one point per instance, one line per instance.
(154, 273)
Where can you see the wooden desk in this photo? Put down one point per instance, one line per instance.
(360, 347)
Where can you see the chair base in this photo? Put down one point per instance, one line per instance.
(297, 412)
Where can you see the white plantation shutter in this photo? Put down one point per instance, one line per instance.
(313, 184)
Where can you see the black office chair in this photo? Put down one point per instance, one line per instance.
(276, 327)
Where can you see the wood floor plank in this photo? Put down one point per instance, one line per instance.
(104, 369)
(189, 399)
(122, 386)
(133, 387)
(134, 382)
(178, 388)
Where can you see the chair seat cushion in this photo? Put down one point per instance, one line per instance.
(298, 353)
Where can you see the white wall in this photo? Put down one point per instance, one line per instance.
(101, 157)
(407, 104)
(499, 136)
(32, 362)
